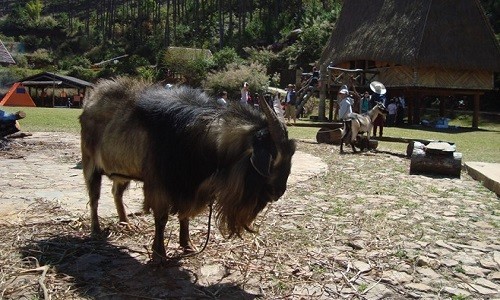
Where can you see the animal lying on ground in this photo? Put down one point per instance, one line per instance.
(188, 151)
(357, 123)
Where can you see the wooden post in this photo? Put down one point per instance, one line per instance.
(410, 108)
(330, 110)
(475, 115)
(322, 92)
(442, 102)
(416, 109)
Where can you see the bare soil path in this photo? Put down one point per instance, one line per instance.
(349, 226)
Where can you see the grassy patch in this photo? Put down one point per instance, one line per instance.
(475, 145)
(49, 119)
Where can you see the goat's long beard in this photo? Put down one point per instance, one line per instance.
(238, 202)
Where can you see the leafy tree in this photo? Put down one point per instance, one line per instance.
(34, 10)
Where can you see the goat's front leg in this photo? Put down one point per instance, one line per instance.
(159, 253)
(369, 135)
(184, 238)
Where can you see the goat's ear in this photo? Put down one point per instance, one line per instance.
(261, 161)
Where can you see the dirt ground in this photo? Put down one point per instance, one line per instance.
(352, 226)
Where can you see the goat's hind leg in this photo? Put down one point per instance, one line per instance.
(354, 136)
(93, 179)
(345, 134)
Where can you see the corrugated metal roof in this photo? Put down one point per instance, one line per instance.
(50, 77)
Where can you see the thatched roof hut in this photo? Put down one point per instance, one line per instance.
(417, 48)
(5, 57)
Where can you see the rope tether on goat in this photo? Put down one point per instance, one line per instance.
(208, 233)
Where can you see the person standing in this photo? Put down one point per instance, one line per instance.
(365, 103)
(222, 100)
(278, 107)
(378, 96)
(345, 103)
(290, 102)
(400, 114)
(245, 93)
(392, 110)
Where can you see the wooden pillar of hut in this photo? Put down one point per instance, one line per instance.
(475, 115)
(322, 92)
(411, 105)
(442, 105)
(416, 109)
(330, 110)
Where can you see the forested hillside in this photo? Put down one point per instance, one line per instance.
(246, 37)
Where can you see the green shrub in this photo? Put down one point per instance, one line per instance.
(147, 73)
(21, 60)
(225, 57)
(40, 58)
(83, 73)
(231, 80)
(74, 61)
(190, 64)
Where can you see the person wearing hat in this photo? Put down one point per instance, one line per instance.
(290, 102)
(378, 96)
(345, 102)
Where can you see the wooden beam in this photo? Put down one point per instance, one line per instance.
(475, 116)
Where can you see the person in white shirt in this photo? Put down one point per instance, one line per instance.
(244, 93)
(345, 103)
(392, 110)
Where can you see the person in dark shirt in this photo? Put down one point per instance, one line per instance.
(378, 96)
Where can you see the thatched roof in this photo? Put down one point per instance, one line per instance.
(438, 33)
(5, 57)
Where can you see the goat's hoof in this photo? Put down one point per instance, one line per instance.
(189, 249)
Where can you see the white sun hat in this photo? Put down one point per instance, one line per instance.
(378, 87)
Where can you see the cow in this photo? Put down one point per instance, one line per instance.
(360, 123)
(188, 151)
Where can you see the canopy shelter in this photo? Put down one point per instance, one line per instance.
(52, 89)
(415, 48)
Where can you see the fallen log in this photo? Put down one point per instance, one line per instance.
(362, 142)
(329, 136)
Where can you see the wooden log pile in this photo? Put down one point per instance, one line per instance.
(434, 158)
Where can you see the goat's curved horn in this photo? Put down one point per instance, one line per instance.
(276, 127)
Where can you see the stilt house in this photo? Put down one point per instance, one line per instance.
(416, 49)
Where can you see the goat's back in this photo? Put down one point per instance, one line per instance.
(112, 139)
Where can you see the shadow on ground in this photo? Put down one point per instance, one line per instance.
(101, 270)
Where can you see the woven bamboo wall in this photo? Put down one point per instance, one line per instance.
(403, 76)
